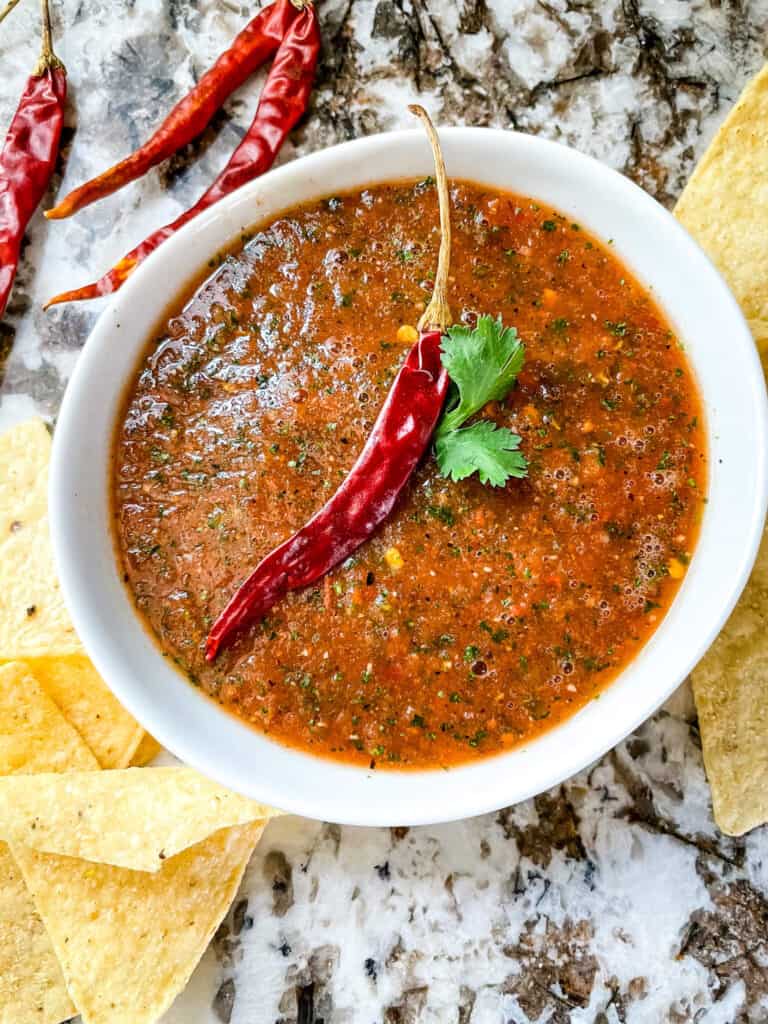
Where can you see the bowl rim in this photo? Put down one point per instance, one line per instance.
(305, 783)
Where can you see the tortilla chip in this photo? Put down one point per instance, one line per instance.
(32, 989)
(146, 751)
(33, 618)
(725, 203)
(725, 208)
(33, 737)
(137, 818)
(731, 690)
(128, 941)
(87, 703)
(759, 331)
(730, 686)
(24, 455)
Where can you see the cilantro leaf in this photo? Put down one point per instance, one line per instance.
(485, 448)
(483, 363)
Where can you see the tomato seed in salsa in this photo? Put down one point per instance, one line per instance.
(476, 617)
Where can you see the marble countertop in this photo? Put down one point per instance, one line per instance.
(612, 898)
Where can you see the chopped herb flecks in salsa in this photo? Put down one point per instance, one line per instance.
(477, 616)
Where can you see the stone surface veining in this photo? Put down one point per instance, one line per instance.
(611, 899)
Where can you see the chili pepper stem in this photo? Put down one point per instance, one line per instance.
(438, 313)
(7, 9)
(48, 59)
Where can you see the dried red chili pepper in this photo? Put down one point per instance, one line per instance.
(399, 438)
(397, 442)
(257, 42)
(29, 154)
(283, 101)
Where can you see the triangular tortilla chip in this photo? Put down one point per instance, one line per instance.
(137, 818)
(25, 451)
(33, 737)
(33, 618)
(32, 989)
(128, 941)
(725, 203)
(730, 686)
(85, 700)
(146, 751)
(725, 208)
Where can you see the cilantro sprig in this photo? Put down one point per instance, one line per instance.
(483, 363)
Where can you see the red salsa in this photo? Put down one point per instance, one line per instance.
(476, 617)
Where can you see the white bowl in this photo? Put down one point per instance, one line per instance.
(703, 312)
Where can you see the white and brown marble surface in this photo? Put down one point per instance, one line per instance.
(613, 898)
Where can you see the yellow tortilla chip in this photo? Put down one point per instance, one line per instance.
(33, 737)
(725, 203)
(24, 455)
(731, 690)
(32, 989)
(146, 751)
(34, 623)
(730, 686)
(33, 618)
(85, 700)
(128, 941)
(725, 208)
(137, 818)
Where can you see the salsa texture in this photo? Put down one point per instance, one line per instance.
(476, 617)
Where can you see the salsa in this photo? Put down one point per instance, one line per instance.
(476, 617)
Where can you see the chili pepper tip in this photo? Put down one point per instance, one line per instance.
(88, 292)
